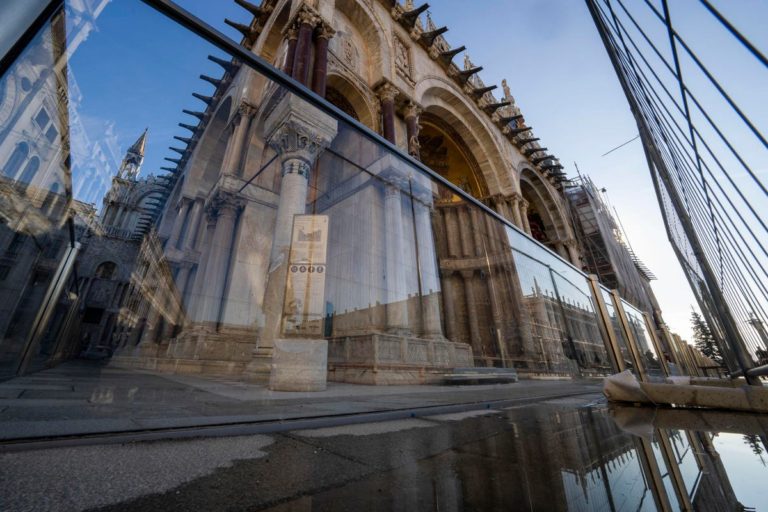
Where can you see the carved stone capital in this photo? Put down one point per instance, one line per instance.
(224, 203)
(307, 16)
(292, 33)
(412, 110)
(325, 31)
(246, 110)
(387, 92)
(298, 132)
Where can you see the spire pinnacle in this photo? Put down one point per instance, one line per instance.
(134, 157)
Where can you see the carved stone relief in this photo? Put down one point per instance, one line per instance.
(402, 58)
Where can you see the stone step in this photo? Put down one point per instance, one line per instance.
(480, 376)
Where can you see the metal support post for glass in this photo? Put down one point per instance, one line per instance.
(629, 336)
(656, 344)
(652, 473)
(673, 469)
(48, 304)
(674, 350)
(606, 325)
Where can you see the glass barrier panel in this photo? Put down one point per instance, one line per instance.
(175, 258)
(562, 318)
(650, 359)
(35, 190)
(579, 316)
(621, 338)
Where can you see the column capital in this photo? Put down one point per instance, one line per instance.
(246, 109)
(412, 109)
(299, 132)
(292, 33)
(224, 203)
(307, 16)
(387, 92)
(324, 30)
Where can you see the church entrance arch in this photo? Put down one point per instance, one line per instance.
(444, 151)
(544, 216)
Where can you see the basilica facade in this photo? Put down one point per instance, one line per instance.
(283, 243)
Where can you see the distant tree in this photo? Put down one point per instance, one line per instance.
(704, 340)
(754, 442)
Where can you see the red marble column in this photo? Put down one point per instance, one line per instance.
(320, 69)
(303, 48)
(388, 93)
(293, 35)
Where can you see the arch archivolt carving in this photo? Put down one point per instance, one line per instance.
(357, 94)
(544, 201)
(441, 98)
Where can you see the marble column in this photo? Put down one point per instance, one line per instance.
(469, 295)
(234, 156)
(412, 112)
(397, 305)
(225, 207)
(449, 305)
(195, 217)
(430, 283)
(178, 223)
(320, 68)
(573, 251)
(195, 300)
(524, 215)
(292, 35)
(387, 94)
(515, 207)
(497, 296)
(303, 54)
(298, 132)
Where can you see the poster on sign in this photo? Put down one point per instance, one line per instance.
(305, 288)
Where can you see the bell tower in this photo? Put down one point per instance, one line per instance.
(131, 164)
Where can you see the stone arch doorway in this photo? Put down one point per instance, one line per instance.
(444, 151)
(544, 216)
(341, 92)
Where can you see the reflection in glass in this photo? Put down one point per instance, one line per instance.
(651, 360)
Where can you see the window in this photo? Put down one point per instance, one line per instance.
(17, 159)
(51, 134)
(30, 170)
(42, 118)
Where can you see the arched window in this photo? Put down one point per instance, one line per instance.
(30, 170)
(17, 159)
(106, 270)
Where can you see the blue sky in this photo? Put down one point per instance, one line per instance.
(548, 50)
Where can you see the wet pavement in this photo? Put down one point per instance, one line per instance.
(79, 397)
(572, 453)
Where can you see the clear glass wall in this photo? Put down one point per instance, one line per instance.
(154, 243)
